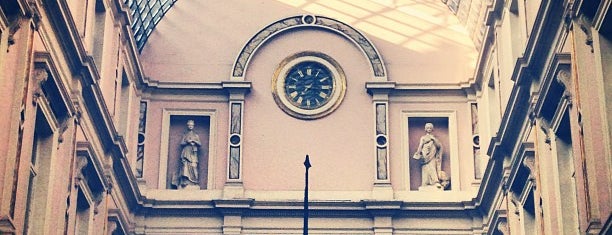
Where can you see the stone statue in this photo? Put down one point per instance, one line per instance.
(188, 165)
(429, 153)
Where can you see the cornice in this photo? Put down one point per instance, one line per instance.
(492, 223)
(44, 60)
(380, 87)
(200, 86)
(3, 21)
(511, 123)
(295, 207)
(484, 55)
(516, 162)
(549, 21)
(392, 87)
(491, 187)
(493, 12)
(86, 150)
(603, 17)
(559, 62)
(115, 215)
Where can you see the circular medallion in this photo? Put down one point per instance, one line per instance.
(308, 85)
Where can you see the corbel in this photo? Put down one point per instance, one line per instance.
(40, 77)
(529, 162)
(502, 226)
(564, 78)
(585, 25)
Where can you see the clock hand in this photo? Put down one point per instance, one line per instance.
(306, 88)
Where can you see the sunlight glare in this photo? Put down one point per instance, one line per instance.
(294, 3)
(419, 25)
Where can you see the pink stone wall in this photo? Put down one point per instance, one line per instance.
(421, 42)
(198, 42)
(340, 145)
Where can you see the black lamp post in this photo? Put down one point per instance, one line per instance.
(307, 165)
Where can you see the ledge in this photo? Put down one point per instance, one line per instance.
(228, 85)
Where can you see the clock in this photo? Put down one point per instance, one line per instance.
(308, 85)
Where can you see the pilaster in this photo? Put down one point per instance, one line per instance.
(237, 91)
(379, 91)
(232, 214)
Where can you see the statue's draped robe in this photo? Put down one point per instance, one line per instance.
(188, 170)
(429, 153)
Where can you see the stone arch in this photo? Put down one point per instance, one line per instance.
(367, 48)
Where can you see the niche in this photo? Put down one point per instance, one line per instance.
(177, 129)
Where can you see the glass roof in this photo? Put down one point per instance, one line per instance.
(147, 13)
(145, 16)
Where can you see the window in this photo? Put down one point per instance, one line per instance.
(83, 214)
(98, 33)
(494, 104)
(42, 151)
(123, 105)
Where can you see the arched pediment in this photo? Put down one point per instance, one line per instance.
(365, 45)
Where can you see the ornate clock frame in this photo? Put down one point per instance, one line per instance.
(289, 98)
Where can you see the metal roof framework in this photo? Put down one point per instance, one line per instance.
(145, 16)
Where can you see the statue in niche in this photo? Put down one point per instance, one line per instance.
(429, 154)
(187, 176)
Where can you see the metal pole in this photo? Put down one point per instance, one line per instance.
(307, 166)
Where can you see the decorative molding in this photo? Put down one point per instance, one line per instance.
(381, 141)
(234, 164)
(367, 47)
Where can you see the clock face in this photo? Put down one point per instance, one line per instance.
(309, 85)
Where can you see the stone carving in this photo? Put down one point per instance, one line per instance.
(258, 39)
(564, 77)
(362, 41)
(381, 142)
(320, 22)
(142, 120)
(502, 226)
(187, 177)
(585, 23)
(40, 77)
(381, 163)
(478, 171)
(235, 141)
(529, 162)
(429, 153)
(234, 171)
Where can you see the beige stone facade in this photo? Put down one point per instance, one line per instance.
(96, 95)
